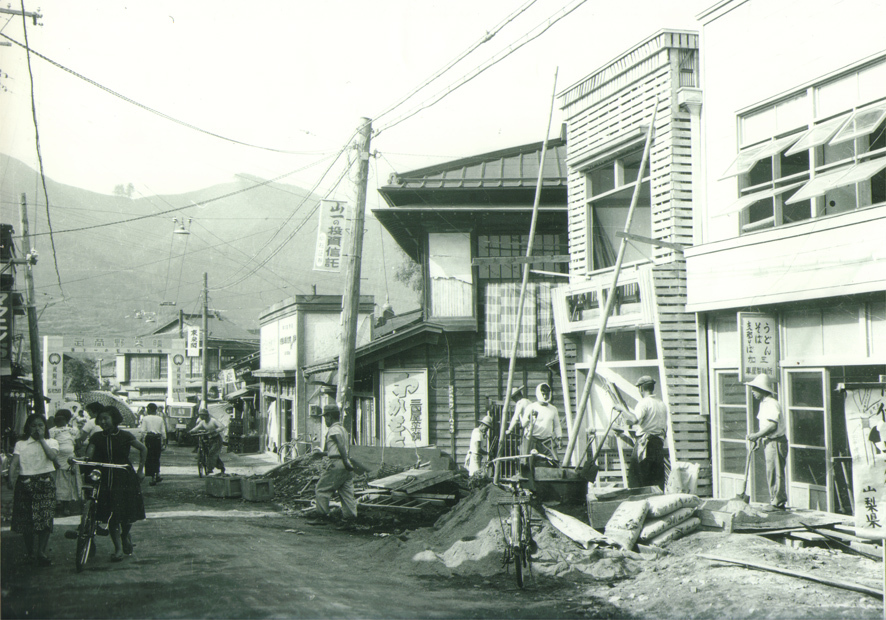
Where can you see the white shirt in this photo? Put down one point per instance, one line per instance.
(544, 420)
(153, 424)
(770, 411)
(652, 416)
(32, 458)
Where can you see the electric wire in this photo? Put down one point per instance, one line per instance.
(527, 38)
(37, 146)
(162, 115)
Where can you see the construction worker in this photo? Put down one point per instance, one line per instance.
(772, 436)
(650, 415)
(542, 430)
(479, 445)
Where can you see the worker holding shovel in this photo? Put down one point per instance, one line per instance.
(772, 436)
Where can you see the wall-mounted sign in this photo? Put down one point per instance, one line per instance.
(865, 407)
(758, 335)
(331, 235)
(405, 402)
(193, 341)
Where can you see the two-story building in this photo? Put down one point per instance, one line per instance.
(788, 275)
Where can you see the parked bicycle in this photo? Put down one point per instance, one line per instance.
(516, 524)
(91, 472)
(293, 449)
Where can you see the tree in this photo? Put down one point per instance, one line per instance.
(408, 272)
(80, 376)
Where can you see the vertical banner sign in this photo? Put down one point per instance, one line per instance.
(331, 235)
(194, 341)
(758, 334)
(405, 402)
(865, 406)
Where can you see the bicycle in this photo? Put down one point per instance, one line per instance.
(289, 450)
(202, 450)
(516, 528)
(88, 521)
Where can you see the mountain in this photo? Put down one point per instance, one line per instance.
(121, 266)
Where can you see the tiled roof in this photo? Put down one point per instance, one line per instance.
(513, 167)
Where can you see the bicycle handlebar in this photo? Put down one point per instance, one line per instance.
(97, 464)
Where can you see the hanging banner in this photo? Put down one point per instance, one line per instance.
(193, 341)
(331, 235)
(865, 407)
(758, 334)
(405, 402)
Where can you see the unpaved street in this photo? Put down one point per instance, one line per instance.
(203, 557)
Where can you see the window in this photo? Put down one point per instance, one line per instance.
(632, 345)
(732, 419)
(610, 188)
(819, 153)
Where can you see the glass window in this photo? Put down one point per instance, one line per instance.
(841, 177)
(732, 457)
(806, 391)
(731, 390)
(818, 135)
(807, 427)
(808, 465)
(602, 179)
(862, 123)
(747, 158)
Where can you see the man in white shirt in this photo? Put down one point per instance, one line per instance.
(772, 436)
(647, 464)
(153, 427)
(542, 430)
(479, 436)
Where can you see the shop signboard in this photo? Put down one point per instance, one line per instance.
(331, 236)
(405, 402)
(758, 335)
(865, 407)
(193, 341)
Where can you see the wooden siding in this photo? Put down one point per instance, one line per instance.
(675, 333)
(478, 381)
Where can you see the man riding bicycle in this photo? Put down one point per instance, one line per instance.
(214, 430)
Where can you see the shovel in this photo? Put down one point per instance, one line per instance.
(737, 504)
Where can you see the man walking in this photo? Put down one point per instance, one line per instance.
(771, 435)
(647, 465)
(154, 429)
(339, 476)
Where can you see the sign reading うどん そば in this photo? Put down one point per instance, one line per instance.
(758, 335)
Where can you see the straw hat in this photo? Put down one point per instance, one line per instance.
(762, 382)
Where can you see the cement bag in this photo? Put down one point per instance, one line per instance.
(623, 527)
(678, 531)
(655, 526)
(662, 505)
(683, 479)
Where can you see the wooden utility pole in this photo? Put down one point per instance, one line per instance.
(33, 332)
(351, 300)
(205, 357)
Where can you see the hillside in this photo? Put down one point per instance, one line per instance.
(118, 259)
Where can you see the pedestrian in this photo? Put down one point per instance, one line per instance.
(120, 499)
(67, 491)
(650, 416)
(518, 419)
(207, 423)
(542, 430)
(90, 427)
(479, 447)
(339, 473)
(771, 435)
(154, 429)
(32, 477)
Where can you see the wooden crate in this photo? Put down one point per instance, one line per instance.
(224, 486)
(258, 489)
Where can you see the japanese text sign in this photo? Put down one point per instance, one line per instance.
(405, 394)
(193, 341)
(758, 335)
(331, 235)
(865, 407)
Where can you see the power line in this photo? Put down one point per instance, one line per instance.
(157, 112)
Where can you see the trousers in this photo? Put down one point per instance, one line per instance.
(336, 478)
(776, 453)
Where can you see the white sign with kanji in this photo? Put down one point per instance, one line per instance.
(193, 341)
(331, 235)
(758, 335)
(865, 407)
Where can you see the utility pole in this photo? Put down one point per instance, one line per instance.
(33, 332)
(205, 357)
(351, 299)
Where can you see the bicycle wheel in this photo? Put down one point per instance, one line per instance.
(201, 464)
(517, 527)
(85, 535)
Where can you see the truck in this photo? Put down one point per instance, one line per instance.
(180, 418)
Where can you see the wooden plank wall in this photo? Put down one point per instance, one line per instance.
(478, 381)
(677, 344)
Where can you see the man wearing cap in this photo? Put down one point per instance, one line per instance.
(479, 437)
(339, 475)
(542, 430)
(772, 436)
(647, 465)
(520, 416)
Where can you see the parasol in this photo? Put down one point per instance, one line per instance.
(106, 398)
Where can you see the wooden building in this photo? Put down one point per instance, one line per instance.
(466, 223)
(649, 333)
(791, 219)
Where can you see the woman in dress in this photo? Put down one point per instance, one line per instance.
(120, 502)
(32, 476)
(67, 494)
(213, 450)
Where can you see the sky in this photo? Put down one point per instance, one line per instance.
(293, 76)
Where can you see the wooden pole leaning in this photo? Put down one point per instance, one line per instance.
(526, 266)
(604, 319)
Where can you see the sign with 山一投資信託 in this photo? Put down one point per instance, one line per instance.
(331, 235)
(758, 335)
(865, 407)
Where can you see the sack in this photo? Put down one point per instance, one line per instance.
(624, 525)
(683, 479)
(678, 531)
(662, 505)
(656, 526)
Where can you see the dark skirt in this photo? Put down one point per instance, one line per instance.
(120, 499)
(33, 506)
(154, 444)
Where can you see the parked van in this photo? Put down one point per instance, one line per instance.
(180, 418)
